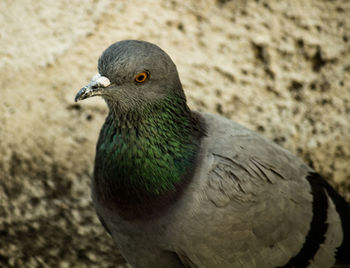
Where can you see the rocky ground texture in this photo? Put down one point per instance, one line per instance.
(279, 67)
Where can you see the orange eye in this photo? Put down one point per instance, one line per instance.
(141, 77)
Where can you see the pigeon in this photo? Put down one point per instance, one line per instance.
(180, 188)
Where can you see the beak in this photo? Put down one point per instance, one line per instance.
(95, 88)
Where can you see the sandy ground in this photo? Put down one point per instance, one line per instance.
(279, 67)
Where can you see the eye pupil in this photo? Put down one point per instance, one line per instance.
(140, 78)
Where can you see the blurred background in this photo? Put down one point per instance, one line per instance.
(281, 68)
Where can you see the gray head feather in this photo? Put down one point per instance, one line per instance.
(123, 60)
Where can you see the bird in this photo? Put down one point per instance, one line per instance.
(180, 188)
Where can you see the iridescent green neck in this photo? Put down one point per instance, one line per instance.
(149, 151)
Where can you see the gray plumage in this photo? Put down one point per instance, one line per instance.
(246, 201)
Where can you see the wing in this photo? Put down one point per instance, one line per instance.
(270, 203)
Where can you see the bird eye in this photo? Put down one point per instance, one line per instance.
(141, 77)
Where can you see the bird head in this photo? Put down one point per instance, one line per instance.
(131, 74)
